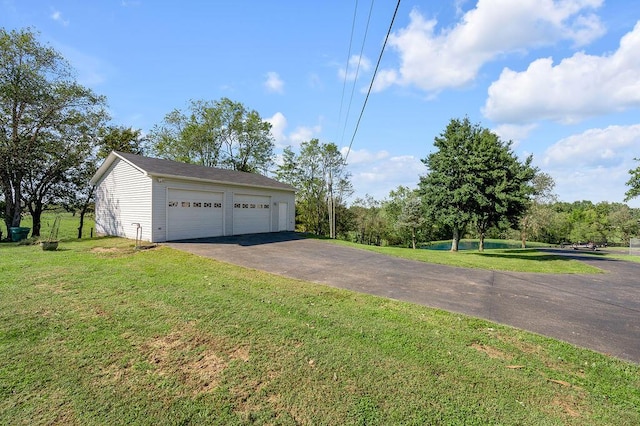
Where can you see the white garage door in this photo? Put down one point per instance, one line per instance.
(194, 214)
(251, 214)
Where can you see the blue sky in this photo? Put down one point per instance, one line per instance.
(559, 78)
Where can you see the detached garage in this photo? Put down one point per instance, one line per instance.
(167, 200)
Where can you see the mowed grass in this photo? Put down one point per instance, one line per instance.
(68, 225)
(98, 333)
(514, 260)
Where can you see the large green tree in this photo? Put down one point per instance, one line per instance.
(448, 188)
(502, 182)
(221, 133)
(52, 180)
(46, 123)
(474, 177)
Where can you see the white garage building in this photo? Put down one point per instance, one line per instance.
(167, 200)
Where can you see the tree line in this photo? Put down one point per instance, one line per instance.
(398, 220)
(54, 133)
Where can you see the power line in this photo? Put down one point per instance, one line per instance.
(346, 73)
(372, 80)
(355, 79)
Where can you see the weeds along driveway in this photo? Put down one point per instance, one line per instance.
(600, 312)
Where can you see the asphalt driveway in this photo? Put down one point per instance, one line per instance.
(600, 312)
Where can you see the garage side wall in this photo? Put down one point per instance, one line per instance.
(123, 197)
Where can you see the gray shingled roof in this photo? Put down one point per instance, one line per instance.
(167, 168)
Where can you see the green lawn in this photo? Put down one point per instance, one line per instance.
(514, 260)
(98, 333)
(68, 225)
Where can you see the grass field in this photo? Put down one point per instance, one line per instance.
(68, 225)
(515, 260)
(98, 333)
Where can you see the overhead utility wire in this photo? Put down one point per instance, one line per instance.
(355, 79)
(346, 73)
(372, 80)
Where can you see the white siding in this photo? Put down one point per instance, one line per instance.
(123, 197)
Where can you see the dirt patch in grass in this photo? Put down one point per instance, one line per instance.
(197, 360)
(521, 345)
(492, 352)
(113, 251)
(571, 405)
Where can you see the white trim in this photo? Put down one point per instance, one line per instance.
(221, 182)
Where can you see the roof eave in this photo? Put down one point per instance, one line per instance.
(223, 182)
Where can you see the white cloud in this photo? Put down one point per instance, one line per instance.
(377, 173)
(384, 79)
(580, 86)
(274, 83)
(594, 164)
(304, 134)
(278, 123)
(595, 147)
(283, 139)
(56, 15)
(356, 66)
(594, 184)
(433, 60)
(363, 155)
(514, 132)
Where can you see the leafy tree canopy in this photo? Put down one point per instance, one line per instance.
(120, 138)
(221, 133)
(474, 177)
(44, 112)
(319, 172)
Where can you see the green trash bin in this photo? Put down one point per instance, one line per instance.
(19, 233)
